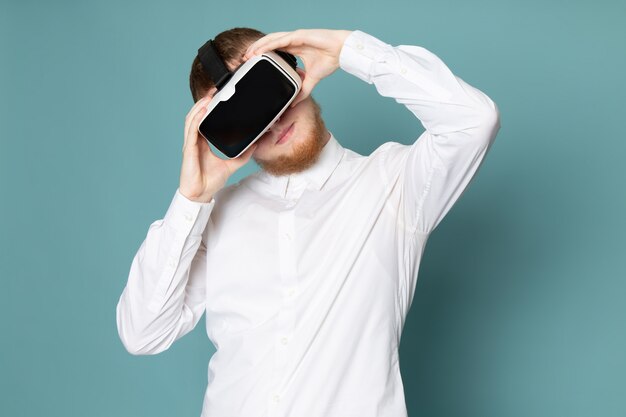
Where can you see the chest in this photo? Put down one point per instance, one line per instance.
(340, 243)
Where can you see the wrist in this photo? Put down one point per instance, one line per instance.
(196, 198)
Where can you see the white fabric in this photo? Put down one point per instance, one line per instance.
(306, 280)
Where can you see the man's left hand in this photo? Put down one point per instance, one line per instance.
(317, 48)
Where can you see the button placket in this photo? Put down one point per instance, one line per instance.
(293, 191)
(285, 322)
(273, 403)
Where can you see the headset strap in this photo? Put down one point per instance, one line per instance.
(291, 59)
(215, 68)
(213, 64)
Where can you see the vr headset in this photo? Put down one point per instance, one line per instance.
(248, 100)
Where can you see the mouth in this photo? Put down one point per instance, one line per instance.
(285, 136)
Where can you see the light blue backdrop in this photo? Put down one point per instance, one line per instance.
(520, 306)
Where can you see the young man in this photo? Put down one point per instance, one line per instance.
(307, 268)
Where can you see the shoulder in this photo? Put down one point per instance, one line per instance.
(383, 164)
(387, 155)
(236, 189)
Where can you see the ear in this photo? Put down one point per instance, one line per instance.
(301, 72)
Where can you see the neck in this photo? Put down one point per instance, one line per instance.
(327, 138)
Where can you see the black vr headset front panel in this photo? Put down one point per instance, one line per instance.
(259, 96)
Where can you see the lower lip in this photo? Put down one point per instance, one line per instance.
(286, 136)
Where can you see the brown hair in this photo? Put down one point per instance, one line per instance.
(231, 44)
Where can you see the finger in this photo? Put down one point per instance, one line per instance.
(191, 135)
(202, 101)
(270, 42)
(188, 120)
(263, 40)
(193, 130)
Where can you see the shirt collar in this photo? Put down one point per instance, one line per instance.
(315, 176)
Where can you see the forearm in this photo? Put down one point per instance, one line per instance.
(163, 298)
(421, 81)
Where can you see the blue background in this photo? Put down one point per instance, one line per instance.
(519, 308)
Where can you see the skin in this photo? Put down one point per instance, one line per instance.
(203, 173)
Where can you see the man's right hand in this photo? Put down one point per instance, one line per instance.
(203, 173)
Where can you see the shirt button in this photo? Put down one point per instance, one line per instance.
(291, 292)
(284, 340)
(188, 217)
(172, 262)
(276, 398)
(359, 46)
(403, 70)
(287, 235)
